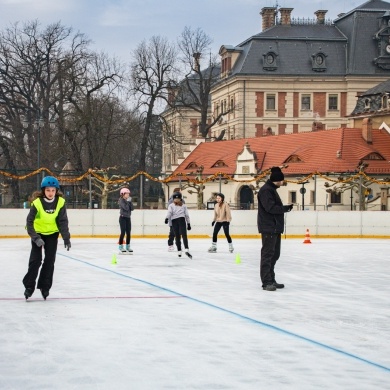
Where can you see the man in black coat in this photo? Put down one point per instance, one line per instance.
(270, 222)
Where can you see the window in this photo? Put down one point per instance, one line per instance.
(333, 102)
(305, 102)
(312, 197)
(385, 102)
(271, 102)
(292, 195)
(245, 169)
(335, 197)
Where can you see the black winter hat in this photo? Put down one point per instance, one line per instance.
(221, 195)
(276, 174)
(176, 195)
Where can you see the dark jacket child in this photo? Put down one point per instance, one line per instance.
(222, 218)
(179, 218)
(125, 209)
(46, 219)
(270, 222)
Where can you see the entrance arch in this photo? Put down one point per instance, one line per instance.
(246, 198)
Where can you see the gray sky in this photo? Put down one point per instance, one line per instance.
(118, 26)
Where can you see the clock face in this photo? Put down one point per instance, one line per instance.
(387, 48)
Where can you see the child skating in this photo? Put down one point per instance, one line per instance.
(179, 218)
(222, 218)
(125, 209)
(46, 219)
(171, 235)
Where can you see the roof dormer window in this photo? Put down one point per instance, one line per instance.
(270, 61)
(219, 164)
(192, 165)
(373, 156)
(319, 61)
(294, 158)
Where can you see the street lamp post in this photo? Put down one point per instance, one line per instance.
(303, 191)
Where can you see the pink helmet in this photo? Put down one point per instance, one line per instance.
(124, 191)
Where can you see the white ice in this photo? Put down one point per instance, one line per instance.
(156, 321)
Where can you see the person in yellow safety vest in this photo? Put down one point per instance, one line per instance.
(46, 220)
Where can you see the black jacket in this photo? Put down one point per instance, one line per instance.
(270, 216)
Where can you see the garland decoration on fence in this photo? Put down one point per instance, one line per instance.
(194, 178)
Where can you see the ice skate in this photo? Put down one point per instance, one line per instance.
(179, 253)
(213, 247)
(171, 248)
(122, 250)
(188, 253)
(128, 249)
(45, 293)
(28, 292)
(231, 249)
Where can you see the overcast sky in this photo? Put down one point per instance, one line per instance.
(118, 26)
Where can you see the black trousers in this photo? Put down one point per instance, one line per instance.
(217, 228)
(180, 229)
(45, 279)
(171, 236)
(125, 225)
(270, 253)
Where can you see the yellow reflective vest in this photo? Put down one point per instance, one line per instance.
(44, 222)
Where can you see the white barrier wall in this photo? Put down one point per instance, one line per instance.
(150, 223)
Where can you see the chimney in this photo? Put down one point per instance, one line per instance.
(367, 130)
(269, 15)
(285, 16)
(196, 61)
(320, 16)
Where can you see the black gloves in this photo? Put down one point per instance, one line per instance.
(188, 226)
(166, 220)
(67, 243)
(288, 208)
(213, 223)
(39, 242)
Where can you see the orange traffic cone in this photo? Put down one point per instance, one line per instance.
(307, 237)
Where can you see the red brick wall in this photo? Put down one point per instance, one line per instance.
(260, 104)
(281, 129)
(343, 104)
(295, 128)
(319, 104)
(296, 105)
(259, 130)
(282, 104)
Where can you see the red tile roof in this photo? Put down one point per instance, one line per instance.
(317, 151)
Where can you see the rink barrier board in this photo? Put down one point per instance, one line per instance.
(99, 223)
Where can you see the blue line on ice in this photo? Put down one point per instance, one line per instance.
(264, 324)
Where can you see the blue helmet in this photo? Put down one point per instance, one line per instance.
(50, 181)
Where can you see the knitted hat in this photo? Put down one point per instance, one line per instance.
(276, 174)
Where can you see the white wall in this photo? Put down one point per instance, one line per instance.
(150, 223)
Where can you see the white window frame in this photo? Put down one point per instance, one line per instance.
(266, 101)
(338, 101)
(306, 95)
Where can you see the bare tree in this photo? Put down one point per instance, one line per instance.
(152, 68)
(202, 71)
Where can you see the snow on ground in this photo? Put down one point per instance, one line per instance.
(156, 321)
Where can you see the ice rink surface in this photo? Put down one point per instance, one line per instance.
(156, 321)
